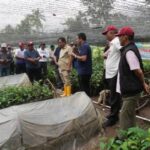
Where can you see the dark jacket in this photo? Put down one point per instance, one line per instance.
(7, 57)
(129, 82)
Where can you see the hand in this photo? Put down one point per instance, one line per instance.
(44, 56)
(73, 54)
(56, 63)
(104, 56)
(146, 88)
(37, 59)
(33, 61)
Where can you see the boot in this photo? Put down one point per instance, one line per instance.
(65, 91)
(68, 90)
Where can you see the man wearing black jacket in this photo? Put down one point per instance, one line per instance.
(130, 82)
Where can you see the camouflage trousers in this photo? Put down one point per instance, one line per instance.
(65, 76)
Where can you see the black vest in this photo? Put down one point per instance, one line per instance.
(129, 82)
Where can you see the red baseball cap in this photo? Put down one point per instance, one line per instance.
(109, 28)
(126, 31)
(30, 43)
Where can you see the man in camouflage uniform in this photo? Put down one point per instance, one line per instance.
(65, 65)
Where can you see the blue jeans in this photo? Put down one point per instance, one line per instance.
(4, 72)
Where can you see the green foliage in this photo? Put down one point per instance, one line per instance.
(51, 74)
(97, 76)
(74, 80)
(133, 139)
(146, 64)
(19, 95)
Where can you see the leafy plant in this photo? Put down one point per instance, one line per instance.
(74, 81)
(51, 74)
(19, 95)
(98, 69)
(133, 139)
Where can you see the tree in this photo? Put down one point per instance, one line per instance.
(32, 23)
(36, 19)
(8, 29)
(24, 27)
(77, 23)
(98, 11)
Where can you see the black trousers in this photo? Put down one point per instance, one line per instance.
(84, 83)
(12, 68)
(20, 68)
(34, 74)
(43, 68)
(115, 99)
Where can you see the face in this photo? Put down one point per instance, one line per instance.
(4, 49)
(110, 35)
(52, 48)
(9, 49)
(30, 47)
(123, 39)
(43, 46)
(78, 41)
(21, 46)
(61, 44)
(71, 45)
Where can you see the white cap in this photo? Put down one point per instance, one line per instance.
(4, 45)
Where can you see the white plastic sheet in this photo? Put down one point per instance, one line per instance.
(15, 80)
(58, 124)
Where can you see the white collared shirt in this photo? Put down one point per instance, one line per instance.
(113, 59)
(42, 53)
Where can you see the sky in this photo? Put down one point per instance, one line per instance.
(13, 11)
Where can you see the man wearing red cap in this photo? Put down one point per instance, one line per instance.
(20, 61)
(130, 82)
(32, 58)
(111, 69)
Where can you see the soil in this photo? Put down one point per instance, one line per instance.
(109, 132)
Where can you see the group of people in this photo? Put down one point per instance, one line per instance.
(25, 59)
(124, 75)
(34, 62)
(79, 56)
(123, 69)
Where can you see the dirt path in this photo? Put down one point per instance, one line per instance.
(109, 132)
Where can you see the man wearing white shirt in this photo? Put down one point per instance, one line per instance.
(44, 54)
(20, 61)
(112, 63)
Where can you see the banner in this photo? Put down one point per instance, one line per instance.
(144, 49)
